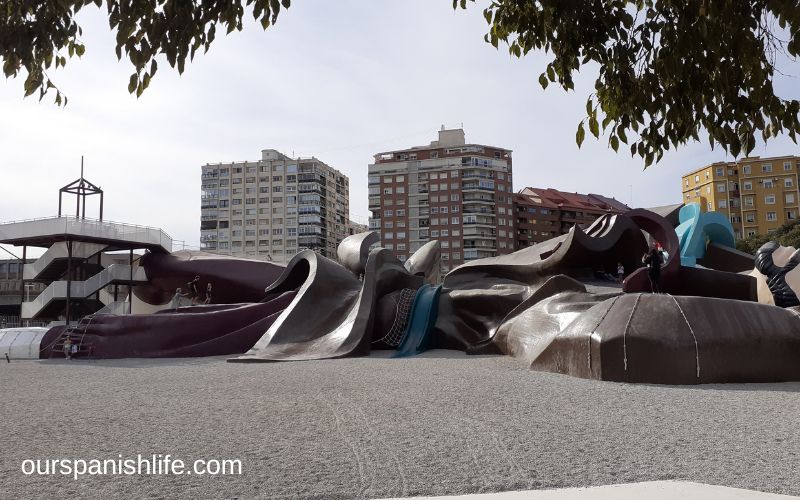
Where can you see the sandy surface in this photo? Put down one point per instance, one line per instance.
(442, 423)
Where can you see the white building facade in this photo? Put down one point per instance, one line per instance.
(272, 208)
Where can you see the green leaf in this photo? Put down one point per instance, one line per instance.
(543, 81)
(580, 134)
(594, 127)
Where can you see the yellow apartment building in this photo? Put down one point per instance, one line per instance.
(757, 194)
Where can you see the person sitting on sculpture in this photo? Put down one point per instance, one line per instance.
(654, 260)
(620, 272)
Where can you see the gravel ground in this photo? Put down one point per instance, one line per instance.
(441, 423)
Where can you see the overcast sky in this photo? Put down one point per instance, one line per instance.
(338, 80)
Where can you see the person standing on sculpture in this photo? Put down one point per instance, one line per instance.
(620, 272)
(194, 291)
(208, 293)
(176, 299)
(68, 348)
(653, 260)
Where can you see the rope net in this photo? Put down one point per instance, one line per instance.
(394, 336)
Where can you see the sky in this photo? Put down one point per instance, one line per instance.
(341, 81)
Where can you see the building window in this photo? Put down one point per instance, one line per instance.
(790, 215)
(746, 169)
(751, 233)
(434, 154)
(401, 212)
(388, 213)
(401, 236)
(748, 186)
(710, 206)
(686, 183)
(772, 216)
(769, 199)
(767, 167)
(768, 184)
(455, 220)
(787, 165)
(789, 198)
(723, 204)
(750, 217)
(388, 236)
(387, 190)
(720, 172)
(788, 182)
(720, 188)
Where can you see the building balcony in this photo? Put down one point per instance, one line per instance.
(476, 187)
(484, 211)
(475, 175)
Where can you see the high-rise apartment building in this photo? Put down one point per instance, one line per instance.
(542, 214)
(757, 194)
(451, 191)
(271, 208)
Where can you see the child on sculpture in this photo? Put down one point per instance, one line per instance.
(654, 260)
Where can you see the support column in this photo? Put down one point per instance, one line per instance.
(69, 279)
(23, 288)
(130, 283)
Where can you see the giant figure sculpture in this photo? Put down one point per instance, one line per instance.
(535, 304)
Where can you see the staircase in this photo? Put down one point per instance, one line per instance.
(76, 334)
(57, 290)
(54, 261)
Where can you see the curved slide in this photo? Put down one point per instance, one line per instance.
(418, 334)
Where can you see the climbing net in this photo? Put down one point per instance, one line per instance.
(394, 336)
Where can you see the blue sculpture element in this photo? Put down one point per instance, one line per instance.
(422, 318)
(697, 229)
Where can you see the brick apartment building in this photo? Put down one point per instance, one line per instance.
(541, 214)
(451, 191)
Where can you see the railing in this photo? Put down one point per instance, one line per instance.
(17, 322)
(118, 308)
(92, 228)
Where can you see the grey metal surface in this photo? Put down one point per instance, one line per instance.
(353, 251)
(333, 313)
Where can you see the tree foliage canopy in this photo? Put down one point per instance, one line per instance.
(787, 235)
(668, 69)
(35, 36)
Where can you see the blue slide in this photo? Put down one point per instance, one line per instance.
(417, 336)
